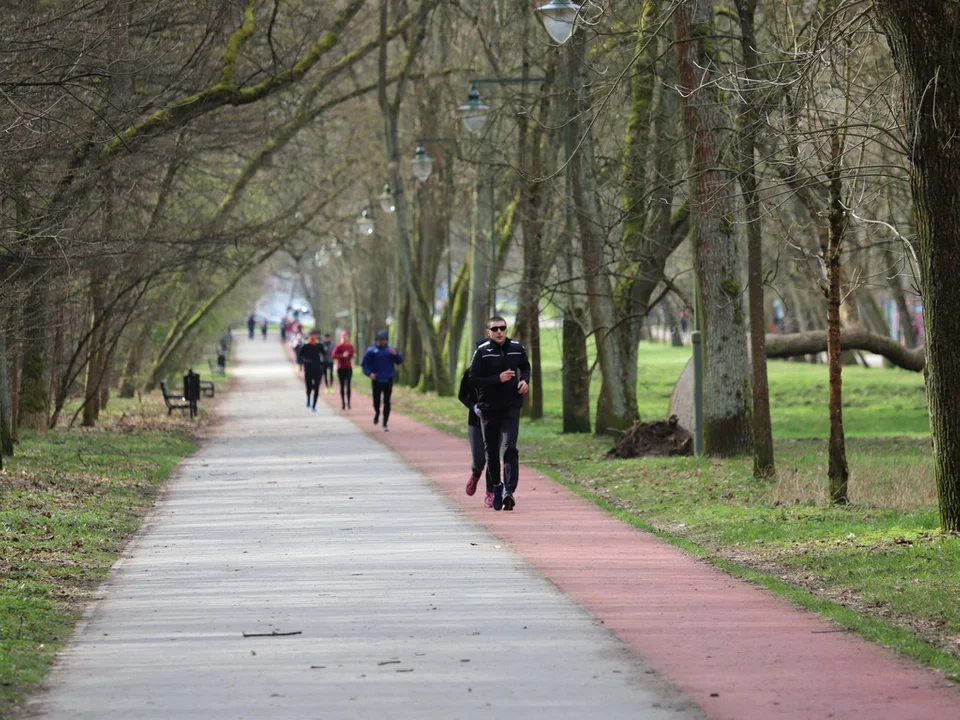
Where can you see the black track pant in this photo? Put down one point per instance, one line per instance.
(477, 453)
(328, 374)
(384, 390)
(345, 376)
(311, 379)
(500, 430)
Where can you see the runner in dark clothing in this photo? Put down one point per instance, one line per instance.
(378, 364)
(251, 325)
(343, 353)
(328, 363)
(500, 373)
(468, 396)
(311, 357)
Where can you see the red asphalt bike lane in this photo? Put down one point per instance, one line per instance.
(739, 651)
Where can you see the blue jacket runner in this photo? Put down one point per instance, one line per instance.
(380, 362)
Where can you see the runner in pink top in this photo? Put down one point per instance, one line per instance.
(343, 353)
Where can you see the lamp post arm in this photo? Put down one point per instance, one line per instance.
(543, 80)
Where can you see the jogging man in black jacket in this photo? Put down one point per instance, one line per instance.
(311, 357)
(500, 373)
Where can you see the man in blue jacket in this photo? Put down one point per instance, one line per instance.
(378, 364)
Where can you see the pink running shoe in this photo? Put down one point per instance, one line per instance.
(472, 484)
(488, 500)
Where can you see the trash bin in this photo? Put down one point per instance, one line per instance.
(191, 390)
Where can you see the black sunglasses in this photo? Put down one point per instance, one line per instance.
(498, 328)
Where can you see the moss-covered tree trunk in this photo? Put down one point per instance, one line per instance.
(726, 403)
(923, 36)
(34, 381)
(454, 318)
(616, 411)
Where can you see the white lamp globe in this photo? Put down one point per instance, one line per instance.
(422, 164)
(365, 223)
(473, 112)
(559, 19)
(386, 200)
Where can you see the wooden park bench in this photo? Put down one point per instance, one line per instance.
(173, 401)
(207, 388)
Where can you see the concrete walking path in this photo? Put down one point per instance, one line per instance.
(406, 607)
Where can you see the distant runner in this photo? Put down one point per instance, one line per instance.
(311, 358)
(343, 353)
(328, 363)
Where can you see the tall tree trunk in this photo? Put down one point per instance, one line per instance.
(422, 311)
(96, 350)
(34, 391)
(6, 429)
(15, 351)
(481, 259)
(530, 154)
(923, 35)
(907, 328)
(617, 413)
(763, 463)
(837, 472)
(639, 270)
(131, 368)
(576, 371)
(454, 317)
(414, 357)
(726, 412)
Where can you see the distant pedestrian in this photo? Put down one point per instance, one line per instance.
(251, 325)
(263, 328)
(343, 353)
(468, 396)
(500, 373)
(328, 364)
(379, 362)
(311, 358)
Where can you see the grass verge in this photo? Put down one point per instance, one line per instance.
(69, 503)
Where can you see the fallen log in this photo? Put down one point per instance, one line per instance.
(815, 341)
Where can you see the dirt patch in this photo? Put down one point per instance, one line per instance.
(657, 438)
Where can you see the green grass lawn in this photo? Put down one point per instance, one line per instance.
(878, 565)
(69, 502)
